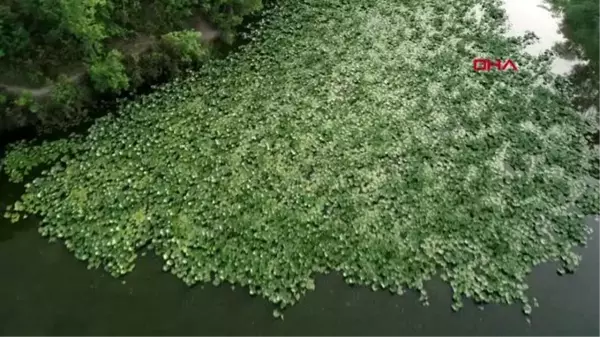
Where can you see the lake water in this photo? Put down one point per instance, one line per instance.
(44, 290)
(532, 15)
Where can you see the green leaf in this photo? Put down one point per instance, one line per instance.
(316, 149)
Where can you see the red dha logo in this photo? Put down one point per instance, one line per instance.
(486, 65)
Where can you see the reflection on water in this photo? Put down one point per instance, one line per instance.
(540, 18)
(535, 16)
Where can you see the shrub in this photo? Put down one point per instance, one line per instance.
(185, 46)
(66, 93)
(108, 74)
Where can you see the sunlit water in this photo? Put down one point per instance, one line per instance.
(45, 291)
(534, 16)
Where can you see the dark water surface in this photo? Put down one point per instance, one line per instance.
(44, 290)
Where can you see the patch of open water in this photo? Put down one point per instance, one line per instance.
(535, 16)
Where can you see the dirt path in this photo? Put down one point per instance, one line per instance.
(206, 33)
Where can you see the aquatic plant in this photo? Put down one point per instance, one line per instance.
(25, 156)
(348, 135)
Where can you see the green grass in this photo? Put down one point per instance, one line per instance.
(349, 135)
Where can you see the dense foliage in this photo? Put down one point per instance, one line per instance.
(41, 40)
(27, 155)
(349, 135)
(581, 25)
(46, 33)
(584, 22)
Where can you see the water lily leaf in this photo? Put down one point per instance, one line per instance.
(363, 143)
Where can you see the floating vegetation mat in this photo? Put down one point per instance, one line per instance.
(349, 136)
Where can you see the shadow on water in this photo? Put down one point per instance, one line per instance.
(44, 290)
